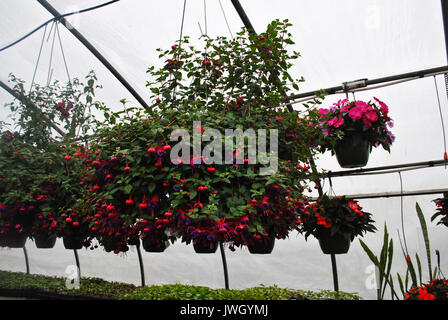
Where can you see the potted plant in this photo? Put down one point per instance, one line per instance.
(37, 170)
(436, 289)
(335, 222)
(442, 210)
(353, 128)
(137, 167)
(45, 230)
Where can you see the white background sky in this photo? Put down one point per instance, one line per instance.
(339, 41)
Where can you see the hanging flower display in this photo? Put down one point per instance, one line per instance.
(217, 158)
(353, 128)
(335, 222)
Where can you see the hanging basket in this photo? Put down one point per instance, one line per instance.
(45, 241)
(339, 243)
(205, 247)
(154, 246)
(353, 150)
(2, 241)
(134, 241)
(264, 246)
(16, 240)
(72, 243)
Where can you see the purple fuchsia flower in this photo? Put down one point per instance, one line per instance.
(212, 238)
(161, 153)
(391, 135)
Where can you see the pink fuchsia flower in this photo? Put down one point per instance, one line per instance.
(363, 106)
(327, 132)
(384, 107)
(340, 103)
(371, 116)
(339, 123)
(323, 111)
(356, 113)
(332, 121)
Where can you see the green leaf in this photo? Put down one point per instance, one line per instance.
(425, 236)
(128, 189)
(193, 194)
(151, 187)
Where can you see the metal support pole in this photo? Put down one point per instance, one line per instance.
(224, 265)
(243, 16)
(94, 51)
(77, 263)
(140, 261)
(445, 23)
(335, 272)
(27, 263)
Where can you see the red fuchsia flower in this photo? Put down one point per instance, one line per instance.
(127, 168)
(211, 169)
(129, 202)
(151, 150)
(167, 147)
(143, 205)
(68, 220)
(96, 187)
(76, 224)
(67, 157)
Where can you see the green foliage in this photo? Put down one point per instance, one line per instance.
(189, 292)
(96, 287)
(413, 273)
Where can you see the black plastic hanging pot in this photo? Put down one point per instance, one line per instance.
(205, 247)
(338, 243)
(133, 241)
(45, 241)
(72, 243)
(154, 246)
(264, 245)
(16, 240)
(353, 150)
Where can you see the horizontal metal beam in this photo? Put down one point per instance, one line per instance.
(342, 88)
(378, 170)
(394, 194)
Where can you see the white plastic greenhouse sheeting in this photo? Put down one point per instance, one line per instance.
(339, 41)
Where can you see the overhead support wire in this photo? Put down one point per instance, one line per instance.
(55, 19)
(94, 51)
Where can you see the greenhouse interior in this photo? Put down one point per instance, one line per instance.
(224, 149)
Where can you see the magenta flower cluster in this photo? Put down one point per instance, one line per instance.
(370, 118)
